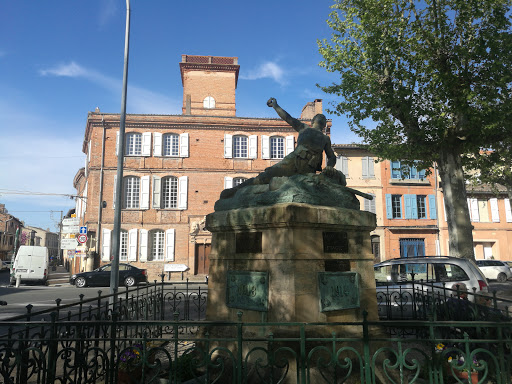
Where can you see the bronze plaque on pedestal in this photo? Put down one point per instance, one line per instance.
(247, 290)
(338, 290)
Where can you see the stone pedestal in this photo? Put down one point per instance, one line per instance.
(292, 243)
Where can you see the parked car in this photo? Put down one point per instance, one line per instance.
(129, 275)
(405, 285)
(495, 270)
(509, 263)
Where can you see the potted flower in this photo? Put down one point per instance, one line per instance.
(459, 369)
(129, 367)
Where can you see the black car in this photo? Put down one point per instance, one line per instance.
(128, 275)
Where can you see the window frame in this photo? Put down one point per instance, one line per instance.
(132, 200)
(238, 147)
(277, 147)
(133, 144)
(209, 102)
(421, 204)
(396, 206)
(123, 245)
(167, 203)
(156, 245)
(174, 145)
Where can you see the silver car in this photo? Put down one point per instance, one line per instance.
(406, 287)
(495, 270)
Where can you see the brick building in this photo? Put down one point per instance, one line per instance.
(175, 167)
(410, 208)
(8, 226)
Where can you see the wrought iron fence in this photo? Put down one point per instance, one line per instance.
(163, 351)
(424, 301)
(157, 334)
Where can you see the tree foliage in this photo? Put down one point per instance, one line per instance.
(434, 76)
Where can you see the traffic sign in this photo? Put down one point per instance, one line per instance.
(82, 238)
(68, 244)
(83, 230)
(72, 221)
(70, 228)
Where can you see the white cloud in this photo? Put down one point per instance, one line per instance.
(67, 70)
(267, 70)
(109, 9)
(139, 100)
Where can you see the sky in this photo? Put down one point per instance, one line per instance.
(61, 59)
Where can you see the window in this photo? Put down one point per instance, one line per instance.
(368, 167)
(169, 192)
(238, 180)
(131, 192)
(240, 147)
(123, 249)
(133, 144)
(479, 210)
(157, 245)
(421, 203)
(276, 147)
(209, 102)
(403, 171)
(416, 207)
(342, 164)
(376, 248)
(369, 205)
(412, 247)
(396, 206)
(171, 144)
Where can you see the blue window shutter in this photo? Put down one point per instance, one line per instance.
(421, 174)
(414, 206)
(413, 173)
(395, 170)
(432, 206)
(389, 208)
(408, 206)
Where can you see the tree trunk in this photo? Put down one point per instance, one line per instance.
(457, 212)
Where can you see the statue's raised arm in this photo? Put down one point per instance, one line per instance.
(295, 123)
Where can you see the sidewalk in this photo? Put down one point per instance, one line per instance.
(59, 276)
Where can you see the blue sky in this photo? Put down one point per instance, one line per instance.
(61, 59)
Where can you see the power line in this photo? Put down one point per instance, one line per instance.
(16, 192)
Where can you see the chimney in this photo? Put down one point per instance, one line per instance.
(318, 106)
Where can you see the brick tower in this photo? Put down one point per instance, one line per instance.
(209, 84)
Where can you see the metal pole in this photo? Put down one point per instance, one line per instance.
(114, 274)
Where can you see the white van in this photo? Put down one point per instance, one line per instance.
(31, 264)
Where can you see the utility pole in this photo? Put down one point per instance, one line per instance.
(114, 274)
(61, 256)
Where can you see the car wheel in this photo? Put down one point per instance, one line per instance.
(80, 282)
(502, 277)
(129, 281)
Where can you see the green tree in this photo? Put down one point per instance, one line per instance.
(434, 76)
(492, 166)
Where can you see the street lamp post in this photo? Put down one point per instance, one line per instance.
(114, 274)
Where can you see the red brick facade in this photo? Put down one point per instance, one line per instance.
(164, 222)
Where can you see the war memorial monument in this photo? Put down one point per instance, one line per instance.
(292, 245)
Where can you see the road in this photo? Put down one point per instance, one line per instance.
(43, 297)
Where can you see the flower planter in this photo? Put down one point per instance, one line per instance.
(465, 375)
